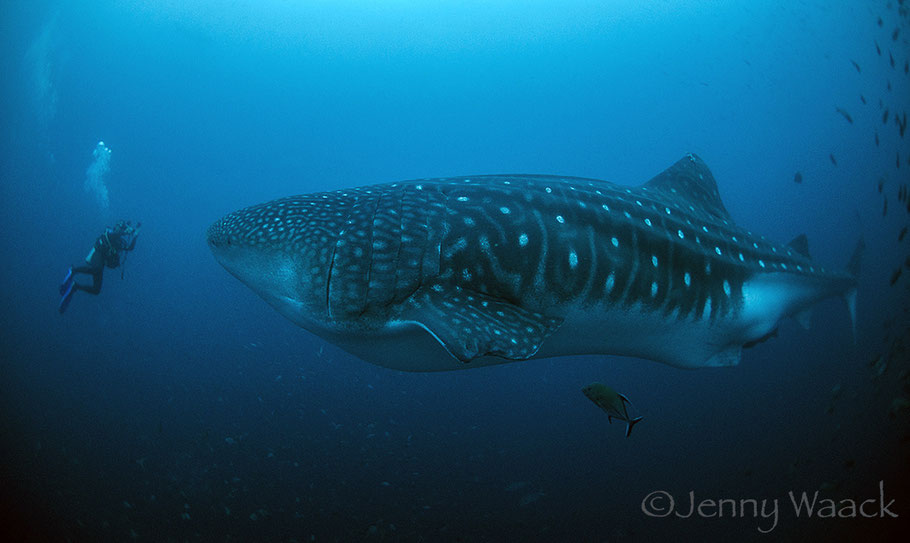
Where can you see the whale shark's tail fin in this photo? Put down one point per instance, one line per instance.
(853, 268)
(800, 244)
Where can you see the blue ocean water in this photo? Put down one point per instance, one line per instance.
(178, 406)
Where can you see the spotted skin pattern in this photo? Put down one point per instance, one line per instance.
(492, 265)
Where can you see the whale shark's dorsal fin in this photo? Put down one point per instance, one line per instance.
(800, 244)
(691, 181)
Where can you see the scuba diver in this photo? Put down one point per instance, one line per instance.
(106, 251)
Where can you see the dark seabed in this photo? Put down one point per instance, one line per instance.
(178, 406)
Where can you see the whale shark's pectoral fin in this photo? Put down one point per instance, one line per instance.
(470, 325)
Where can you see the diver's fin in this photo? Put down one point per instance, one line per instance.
(67, 281)
(800, 244)
(631, 424)
(804, 318)
(67, 296)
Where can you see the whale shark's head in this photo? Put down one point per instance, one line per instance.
(262, 247)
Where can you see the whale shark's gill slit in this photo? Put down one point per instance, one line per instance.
(369, 245)
(425, 208)
(397, 284)
(328, 279)
(445, 226)
(588, 288)
(627, 297)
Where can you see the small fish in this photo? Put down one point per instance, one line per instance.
(885, 116)
(896, 275)
(877, 48)
(863, 98)
(906, 66)
(881, 184)
(844, 114)
(614, 403)
(891, 57)
(889, 85)
(880, 21)
(855, 65)
(896, 33)
(903, 124)
(833, 160)
(876, 139)
(900, 237)
(798, 178)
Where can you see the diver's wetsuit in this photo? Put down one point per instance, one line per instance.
(105, 252)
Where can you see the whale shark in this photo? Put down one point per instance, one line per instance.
(463, 272)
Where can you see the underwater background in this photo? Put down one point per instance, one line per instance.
(178, 406)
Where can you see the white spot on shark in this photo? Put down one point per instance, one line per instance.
(523, 239)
